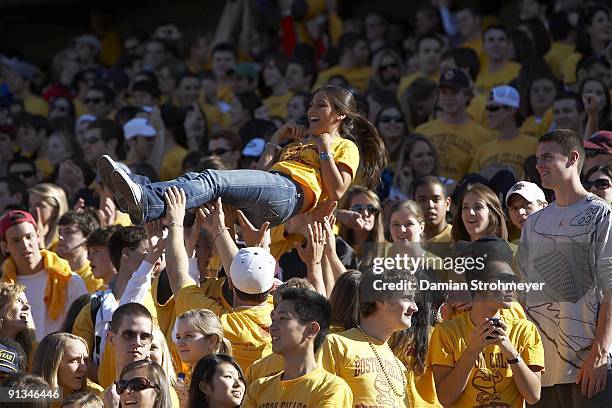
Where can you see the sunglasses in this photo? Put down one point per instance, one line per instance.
(493, 108)
(219, 152)
(131, 335)
(135, 384)
(23, 174)
(93, 100)
(360, 208)
(599, 184)
(383, 68)
(391, 119)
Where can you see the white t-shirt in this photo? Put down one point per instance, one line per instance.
(569, 249)
(35, 291)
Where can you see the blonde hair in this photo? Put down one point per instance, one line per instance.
(9, 293)
(166, 362)
(49, 355)
(56, 197)
(207, 323)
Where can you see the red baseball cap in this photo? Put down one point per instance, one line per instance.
(601, 140)
(15, 217)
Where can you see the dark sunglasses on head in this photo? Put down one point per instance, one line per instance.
(93, 100)
(135, 384)
(391, 119)
(362, 207)
(131, 335)
(599, 184)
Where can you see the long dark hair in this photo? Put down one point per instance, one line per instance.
(372, 151)
(583, 39)
(605, 114)
(345, 301)
(497, 223)
(205, 371)
(157, 376)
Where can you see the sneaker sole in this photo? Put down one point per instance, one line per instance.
(106, 167)
(123, 187)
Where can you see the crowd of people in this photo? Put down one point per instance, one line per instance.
(206, 219)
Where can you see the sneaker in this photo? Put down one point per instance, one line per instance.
(106, 166)
(131, 192)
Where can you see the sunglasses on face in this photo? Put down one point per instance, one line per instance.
(135, 384)
(493, 108)
(23, 174)
(391, 119)
(392, 65)
(131, 335)
(599, 184)
(360, 208)
(93, 100)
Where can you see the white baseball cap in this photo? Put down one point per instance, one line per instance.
(138, 127)
(529, 191)
(252, 270)
(254, 148)
(506, 96)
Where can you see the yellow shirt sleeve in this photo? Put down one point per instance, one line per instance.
(190, 297)
(83, 326)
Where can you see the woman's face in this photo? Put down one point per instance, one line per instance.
(192, 344)
(72, 370)
(321, 116)
(296, 109)
(156, 353)
(391, 125)
(601, 185)
(57, 150)
(368, 211)
(542, 95)
(238, 113)
(405, 228)
(271, 74)
(138, 399)
(47, 211)
(421, 159)
(594, 88)
(475, 216)
(600, 28)
(227, 387)
(16, 315)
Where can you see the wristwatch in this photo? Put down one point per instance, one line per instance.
(325, 156)
(515, 359)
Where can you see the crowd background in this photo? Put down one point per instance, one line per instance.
(459, 92)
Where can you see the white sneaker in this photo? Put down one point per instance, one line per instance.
(106, 166)
(131, 192)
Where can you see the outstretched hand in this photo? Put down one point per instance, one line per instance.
(254, 237)
(175, 205)
(313, 252)
(212, 217)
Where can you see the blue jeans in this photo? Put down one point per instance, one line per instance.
(261, 195)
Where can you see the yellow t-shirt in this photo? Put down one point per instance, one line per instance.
(568, 67)
(357, 77)
(301, 162)
(490, 382)
(558, 52)
(421, 389)
(213, 288)
(215, 119)
(488, 80)
(267, 366)
(409, 79)
(318, 388)
(277, 104)
(36, 105)
(536, 128)
(444, 236)
(349, 356)
(91, 282)
(455, 144)
(247, 328)
(225, 93)
(172, 163)
(504, 153)
(476, 45)
(477, 109)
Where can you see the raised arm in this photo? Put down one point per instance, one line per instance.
(336, 177)
(289, 131)
(157, 154)
(590, 102)
(213, 220)
(177, 264)
(312, 256)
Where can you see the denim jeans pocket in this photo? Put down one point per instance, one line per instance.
(278, 209)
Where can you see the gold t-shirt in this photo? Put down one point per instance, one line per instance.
(358, 77)
(488, 80)
(497, 154)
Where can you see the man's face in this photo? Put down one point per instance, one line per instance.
(25, 172)
(375, 27)
(223, 61)
(94, 146)
(398, 312)
(101, 265)
(495, 44)
(566, 115)
(140, 99)
(188, 91)
(132, 340)
(553, 166)
(143, 146)
(71, 241)
(600, 72)
(498, 116)
(222, 148)
(96, 104)
(131, 259)
(467, 23)
(294, 77)
(154, 54)
(21, 242)
(452, 100)
(28, 139)
(519, 209)
(429, 55)
(287, 330)
(361, 53)
(435, 204)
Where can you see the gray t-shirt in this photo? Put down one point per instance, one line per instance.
(568, 249)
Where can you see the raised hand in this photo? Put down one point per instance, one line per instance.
(323, 209)
(253, 237)
(212, 217)
(175, 205)
(330, 238)
(591, 104)
(289, 131)
(350, 219)
(313, 252)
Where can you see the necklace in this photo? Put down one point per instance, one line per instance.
(404, 382)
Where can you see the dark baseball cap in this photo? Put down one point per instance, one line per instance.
(9, 360)
(454, 78)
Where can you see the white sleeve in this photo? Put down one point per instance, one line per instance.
(139, 285)
(601, 252)
(193, 270)
(76, 288)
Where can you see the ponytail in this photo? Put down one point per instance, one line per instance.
(225, 347)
